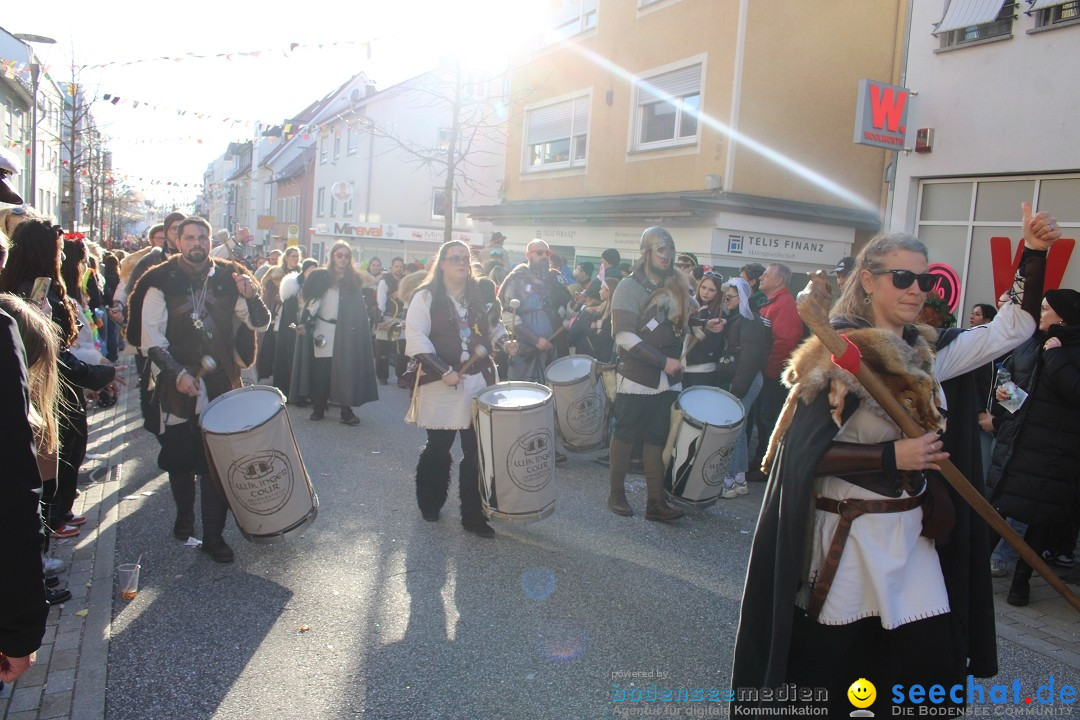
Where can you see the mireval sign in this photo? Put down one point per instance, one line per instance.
(881, 115)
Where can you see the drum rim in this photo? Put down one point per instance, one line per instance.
(575, 381)
(701, 424)
(233, 393)
(523, 384)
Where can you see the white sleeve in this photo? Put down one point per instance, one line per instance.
(627, 340)
(979, 345)
(380, 298)
(241, 310)
(155, 319)
(418, 325)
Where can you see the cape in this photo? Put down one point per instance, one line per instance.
(352, 374)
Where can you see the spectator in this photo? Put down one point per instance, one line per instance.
(751, 273)
(843, 270)
(704, 348)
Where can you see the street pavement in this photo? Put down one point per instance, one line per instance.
(375, 613)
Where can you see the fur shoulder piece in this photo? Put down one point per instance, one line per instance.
(907, 371)
(290, 286)
(672, 301)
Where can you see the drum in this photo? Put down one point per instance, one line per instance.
(515, 432)
(580, 402)
(253, 458)
(710, 421)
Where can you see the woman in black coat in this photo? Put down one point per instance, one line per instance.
(704, 349)
(1033, 472)
(747, 343)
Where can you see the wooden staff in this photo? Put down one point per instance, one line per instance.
(813, 309)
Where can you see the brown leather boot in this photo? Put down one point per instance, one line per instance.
(657, 508)
(619, 460)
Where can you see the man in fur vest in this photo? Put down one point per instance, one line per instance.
(540, 292)
(649, 315)
(182, 310)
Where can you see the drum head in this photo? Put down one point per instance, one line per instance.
(569, 368)
(711, 406)
(241, 409)
(514, 395)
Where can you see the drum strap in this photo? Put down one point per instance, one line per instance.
(848, 510)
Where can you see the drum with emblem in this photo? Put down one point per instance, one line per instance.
(581, 407)
(515, 435)
(253, 458)
(709, 422)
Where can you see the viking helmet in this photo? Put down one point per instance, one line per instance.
(658, 240)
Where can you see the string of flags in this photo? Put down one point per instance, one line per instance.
(136, 104)
(287, 51)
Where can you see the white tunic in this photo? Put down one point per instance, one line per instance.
(441, 407)
(888, 569)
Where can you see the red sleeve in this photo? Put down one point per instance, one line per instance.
(787, 332)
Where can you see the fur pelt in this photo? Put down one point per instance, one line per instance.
(409, 284)
(290, 286)
(908, 372)
(672, 301)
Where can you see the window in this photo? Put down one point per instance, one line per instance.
(1054, 12)
(967, 21)
(443, 140)
(322, 149)
(350, 141)
(337, 144)
(569, 18)
(333, 204)
(268, 194)
(667, 109)
(346, 209)
(438, 204)
(320, 203)
(556, 136)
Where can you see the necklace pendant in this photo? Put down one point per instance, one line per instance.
(196, 321)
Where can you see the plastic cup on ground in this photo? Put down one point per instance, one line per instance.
(129, 580)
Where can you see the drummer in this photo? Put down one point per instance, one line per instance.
(541, 292)
(650, 312)
(448, 328)
(183, 311)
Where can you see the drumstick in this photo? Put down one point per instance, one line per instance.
(478, 354)
(207, 365)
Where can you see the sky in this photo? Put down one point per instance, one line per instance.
(390, 41)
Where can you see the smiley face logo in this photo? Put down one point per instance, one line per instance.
(862, 693)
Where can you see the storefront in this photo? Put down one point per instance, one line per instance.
(386, 240)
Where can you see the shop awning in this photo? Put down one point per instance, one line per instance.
(1044, 4)
(968, 13)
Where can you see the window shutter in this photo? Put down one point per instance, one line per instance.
(684, 81)
(968, 13)
(550, 123)
(581, 116)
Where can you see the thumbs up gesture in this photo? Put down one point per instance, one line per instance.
(1040, 230)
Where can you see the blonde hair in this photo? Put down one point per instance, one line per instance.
(42, 344)
(854, 303)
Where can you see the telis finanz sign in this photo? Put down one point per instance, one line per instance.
(881, 115)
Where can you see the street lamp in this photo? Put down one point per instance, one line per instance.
(35, 72)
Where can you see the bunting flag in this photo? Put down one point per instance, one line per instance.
(286, 51)
(119, 101)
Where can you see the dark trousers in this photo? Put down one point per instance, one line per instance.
(72, 427)
(214, 508)
(767, 409)
(835, 656)
(388, 353)
(320, 382)
(433, 474)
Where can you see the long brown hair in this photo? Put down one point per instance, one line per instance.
(34, 253)
(42, 346)
(436, 284)
(716, 306)
(350, 279)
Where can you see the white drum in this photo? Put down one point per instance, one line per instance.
(515, 432)
(581, 408)
(253, 458)
(710, 420)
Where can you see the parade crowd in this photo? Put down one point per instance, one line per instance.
(909, 570)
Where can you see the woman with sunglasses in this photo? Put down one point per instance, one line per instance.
(705, 347)
(747, 342)
(902, 593)
(447, 322)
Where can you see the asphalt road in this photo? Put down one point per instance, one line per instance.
(408, 619)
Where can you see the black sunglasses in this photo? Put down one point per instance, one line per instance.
(902, 279)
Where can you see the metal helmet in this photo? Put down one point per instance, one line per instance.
(657, 239)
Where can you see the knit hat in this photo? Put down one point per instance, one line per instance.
(588, 267)
(1065, 303)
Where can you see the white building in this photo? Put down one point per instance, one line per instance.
(380, 166)
(998, 88)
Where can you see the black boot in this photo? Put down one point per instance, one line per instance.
(432, 481)
(1020, 589)
(619, 460)
(215, 511)
(183, 492)
(472, 512)
(657, 508)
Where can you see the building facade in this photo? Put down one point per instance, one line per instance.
(998, 134)
(728, 122)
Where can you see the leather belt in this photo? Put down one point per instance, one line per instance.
(848, 510)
